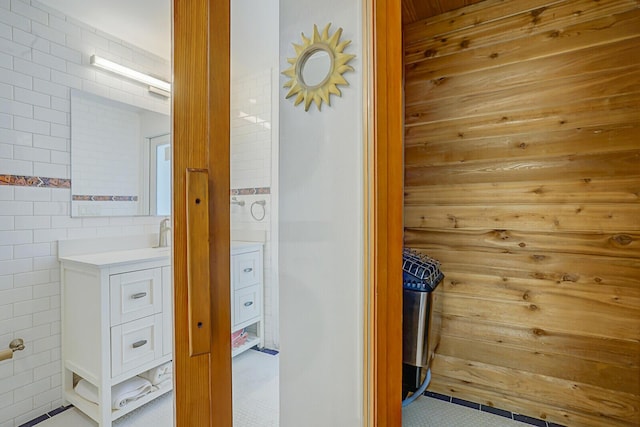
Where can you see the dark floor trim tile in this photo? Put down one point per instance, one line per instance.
(265, 350)
(438, 396)
(529, 420)
(466, 403)
(490, 409)
(35, 421)
(58, 410)
(496, 411)
(46, 416)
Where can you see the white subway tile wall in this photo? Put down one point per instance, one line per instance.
(251, 143)
(43, 54)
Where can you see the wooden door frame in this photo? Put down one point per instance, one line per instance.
(384, 199)
(201, 120)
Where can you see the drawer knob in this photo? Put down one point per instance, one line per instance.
(139, 343)
(248, 303)
(248, 270)
(139, 295)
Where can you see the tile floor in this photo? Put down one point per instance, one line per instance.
(429, 411)
(255, 398)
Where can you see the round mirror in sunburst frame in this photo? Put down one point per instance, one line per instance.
(317, 69)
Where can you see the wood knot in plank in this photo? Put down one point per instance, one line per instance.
(430, 53)
(494, 55)
(538, 258)
(465, 43)
(536, 14)
(438, 82)
(568, 277)
(525, 296)
(587, 180)
(502, 234)
(522, 146)
(522, 244)
(622, 239)
(554, 34)
(538, 332)
(532, 307)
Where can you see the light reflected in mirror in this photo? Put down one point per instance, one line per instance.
(120, 158)
(316, 68)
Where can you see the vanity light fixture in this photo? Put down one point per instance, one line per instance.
(153, 82)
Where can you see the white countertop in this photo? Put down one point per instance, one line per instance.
(103, 259)
(119, 257)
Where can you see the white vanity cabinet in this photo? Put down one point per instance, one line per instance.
(247, 294)
(116, 323)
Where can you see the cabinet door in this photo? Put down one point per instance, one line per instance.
(135, 343)
(167, 311)
(246, 269)
(135, 295)
(247, 305)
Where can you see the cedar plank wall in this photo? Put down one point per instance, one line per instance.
(522, 154)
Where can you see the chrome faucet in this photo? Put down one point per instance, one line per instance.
(164, 233)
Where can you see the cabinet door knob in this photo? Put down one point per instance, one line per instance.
(139, 343)
(248, 303)
(248, 270)
(139, 295)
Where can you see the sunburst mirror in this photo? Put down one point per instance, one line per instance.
(317, 69)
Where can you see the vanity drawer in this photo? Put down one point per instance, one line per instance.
(246, 269)
(135, 295)
(247, 304)
(135, 343)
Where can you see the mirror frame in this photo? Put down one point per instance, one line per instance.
(322, 91)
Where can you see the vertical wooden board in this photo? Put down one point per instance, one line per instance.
(384, 196)
(202, 383)
(198, 291)
(218, 155)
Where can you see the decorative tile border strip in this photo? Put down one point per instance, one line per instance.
(250, 191)
(490, 409)
(34, 181)
(99, 198)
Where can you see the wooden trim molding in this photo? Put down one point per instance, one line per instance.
(200, 113)
(384, 214)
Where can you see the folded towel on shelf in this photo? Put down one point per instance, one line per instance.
(87, 391)
(128, 391)
(159, 374)
(164, 385)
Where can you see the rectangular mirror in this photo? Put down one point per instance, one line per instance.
(120, 158)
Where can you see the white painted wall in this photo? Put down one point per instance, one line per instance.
(321, 235)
